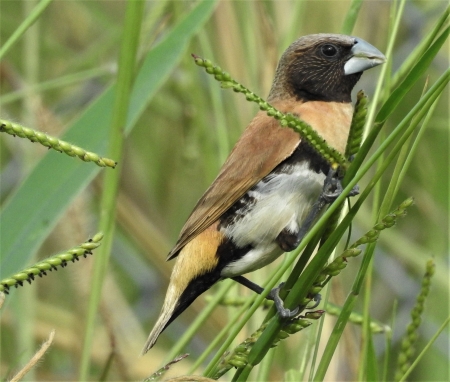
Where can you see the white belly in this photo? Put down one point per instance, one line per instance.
(281, 200)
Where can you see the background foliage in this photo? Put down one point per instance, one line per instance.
(55, 79)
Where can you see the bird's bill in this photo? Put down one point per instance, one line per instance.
(364, 56)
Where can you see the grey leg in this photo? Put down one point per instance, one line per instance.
(273, 295)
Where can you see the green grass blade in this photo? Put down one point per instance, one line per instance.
(413, 76)
(396, 15)
(421, 66)
(420, 49)
(351, 17)
(28, 22)
(371, 367)
(56, 180)
(158, 66)
(125, 77)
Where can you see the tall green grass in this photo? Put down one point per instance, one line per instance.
(178, 130)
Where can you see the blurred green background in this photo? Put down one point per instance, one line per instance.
(68, 59)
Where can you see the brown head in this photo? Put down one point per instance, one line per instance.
(323, 67)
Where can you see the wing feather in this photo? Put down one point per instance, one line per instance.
(263, 145)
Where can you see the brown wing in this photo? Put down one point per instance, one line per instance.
(263, 145)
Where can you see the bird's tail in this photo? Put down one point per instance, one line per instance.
(194, 272)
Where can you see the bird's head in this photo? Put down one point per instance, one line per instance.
(323, 67)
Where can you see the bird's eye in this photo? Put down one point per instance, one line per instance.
(329, 50)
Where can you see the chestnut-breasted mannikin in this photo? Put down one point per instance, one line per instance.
(257, 206)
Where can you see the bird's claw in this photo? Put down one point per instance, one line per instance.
(317, 300)
(282, 311)
(332, 187)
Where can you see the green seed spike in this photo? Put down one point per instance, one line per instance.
(54, 143)
(333, 156)
(339, 263)
(156, 376)
(239, 356)
(357, 126)
(50, 264)
(410, 337)
(357, 319)
(388, 221)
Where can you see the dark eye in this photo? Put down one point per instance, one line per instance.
(329, 50)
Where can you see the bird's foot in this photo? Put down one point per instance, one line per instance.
(332, 187)
(282, 311)
(274, 295)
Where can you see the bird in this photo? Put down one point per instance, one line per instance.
(265, 192)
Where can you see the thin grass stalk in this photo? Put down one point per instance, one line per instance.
(416, 72)
(366, 269)
(367, 144)
(366, 334)
(126, 74)
(343, 318)
(386, 203)
(425, 349)
(413, 149)
(348, 307)
(248, 312)
(247, 14)
(210, 369)
(266, 366)
(419, 50)
(292, 375)
(397, 17)
(69, 79)
(298, 12)
(26, 302)
(351, 17)
(319, 335)
(388, 79)
(218, 108)
(151, 25)
(313, 349)
(270, 333)
(390, 104)
(399, 168)
(27, 372)
(22, 28)
(265, 341)
(387, 83)
(388, 343)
